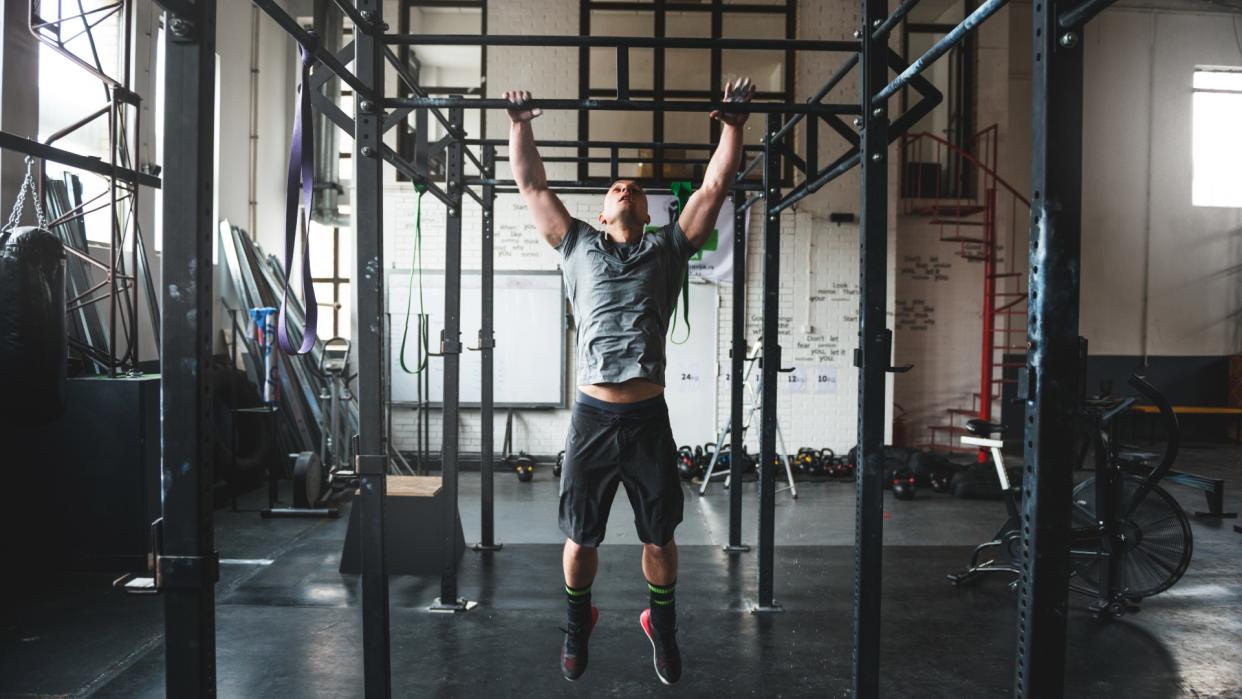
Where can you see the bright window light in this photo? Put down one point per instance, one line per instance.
(68, 93)
(1217, 140)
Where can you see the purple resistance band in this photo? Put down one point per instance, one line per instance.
(301, 177)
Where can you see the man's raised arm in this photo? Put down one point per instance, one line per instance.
(551, 217)
(698, 219)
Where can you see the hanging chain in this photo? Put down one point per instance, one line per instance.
(28, 187)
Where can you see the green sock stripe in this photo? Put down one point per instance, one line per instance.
(662, 602)
(661, 590)
(578, 592)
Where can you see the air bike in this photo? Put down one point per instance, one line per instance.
(1129, 539)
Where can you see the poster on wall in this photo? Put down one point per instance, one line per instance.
(825, 379)
(714, 262)
(795, 380)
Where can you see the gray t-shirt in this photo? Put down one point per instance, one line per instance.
(622, 298)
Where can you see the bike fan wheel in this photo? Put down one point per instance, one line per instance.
(1157, 545)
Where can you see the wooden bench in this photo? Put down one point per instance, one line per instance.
(1235, 413)
(413, 486)
(413, 528)
(1189, 410)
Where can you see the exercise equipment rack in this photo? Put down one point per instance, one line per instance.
(186, 562)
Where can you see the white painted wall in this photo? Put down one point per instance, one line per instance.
(1160, 276)
(277, 52)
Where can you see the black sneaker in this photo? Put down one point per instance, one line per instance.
(574, 649)
(664, 653)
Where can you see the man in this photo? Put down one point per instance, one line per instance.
(623, 284)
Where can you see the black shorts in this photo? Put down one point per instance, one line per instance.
(613, 443)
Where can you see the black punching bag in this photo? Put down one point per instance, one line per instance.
(33, 347)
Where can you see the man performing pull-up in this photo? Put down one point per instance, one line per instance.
(622, 285)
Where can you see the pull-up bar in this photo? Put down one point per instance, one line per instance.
(630, 42)
(609, 144)
(43, 151)
(625, 105)
(940, 48)
(595, 185)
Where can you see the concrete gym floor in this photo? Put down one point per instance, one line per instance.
(289, 625)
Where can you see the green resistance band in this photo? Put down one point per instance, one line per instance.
(681, 193)
(416, 266)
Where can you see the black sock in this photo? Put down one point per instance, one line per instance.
(663, 606)
(579, 600)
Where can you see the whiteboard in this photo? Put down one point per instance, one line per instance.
(690, 377)
(529, 326)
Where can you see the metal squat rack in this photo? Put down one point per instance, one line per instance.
(186, 564)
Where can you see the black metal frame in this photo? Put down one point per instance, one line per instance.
(716, 9)
(737, 367)
(188, 566)
(408, 136)
(450, 351)
(372, 459)
(487, 345)
(189, 575)
(1052, 380)
(871, 358)
(769, 365)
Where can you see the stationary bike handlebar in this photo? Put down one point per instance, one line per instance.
(1172, 427)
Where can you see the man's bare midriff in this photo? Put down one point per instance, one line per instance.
(630, 391)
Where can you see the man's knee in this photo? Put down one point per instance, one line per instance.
(576, 550)
(666, 551)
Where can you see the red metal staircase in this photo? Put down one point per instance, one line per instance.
(964, 196)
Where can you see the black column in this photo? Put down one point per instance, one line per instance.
(187, 569)
(369, 305)
(1052, 336)
(450, 348)
(486, 344)
(584, 90)
(770, 365)
(657, 85)
(737, 368)
(874, 342)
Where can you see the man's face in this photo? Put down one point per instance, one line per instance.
(625, 199)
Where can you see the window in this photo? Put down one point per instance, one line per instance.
(1217, 142)
(69, 92)
(331, 263)
(679, 74)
